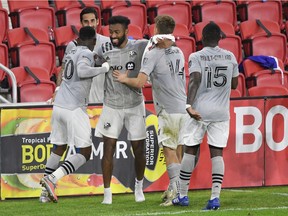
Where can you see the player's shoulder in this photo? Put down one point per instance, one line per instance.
(102, 39)
(139, 42)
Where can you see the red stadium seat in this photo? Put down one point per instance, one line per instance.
(242, 85)
(268, 91)
(180, 11)
(186, 44)
(134, 32)
(36, 14)
(3, 59)
(136, 12)
(217, 11)
(30, 91)
(235, 93)
(269, 77)
(24, 73)
(105, 4)
(263, 42)
(31, 47)
(180, 30)
(263, 10)
(63, 35)
(4, 24)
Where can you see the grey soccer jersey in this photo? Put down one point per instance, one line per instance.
(116, 94)
(166, 70)
(74, 91)
(97, 88)
(217, 67)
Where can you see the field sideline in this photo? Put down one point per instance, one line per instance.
(236, 202)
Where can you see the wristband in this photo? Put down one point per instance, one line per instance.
(187, 106)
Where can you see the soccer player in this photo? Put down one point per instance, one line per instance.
(164, 63)
(123, 105)
(89, 17)
(70, 121)
(213, 72)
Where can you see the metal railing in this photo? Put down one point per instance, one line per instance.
(14, 85)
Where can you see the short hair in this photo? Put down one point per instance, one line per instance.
(87, 33)
(88, 10)
(211, 32)
(165, 24)
(119, 20)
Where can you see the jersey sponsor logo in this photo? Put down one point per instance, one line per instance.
(116, 67)
(130, 66)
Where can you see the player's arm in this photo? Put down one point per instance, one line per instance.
(86, 71)
(137, 82)
(194, 83)
(234, 82)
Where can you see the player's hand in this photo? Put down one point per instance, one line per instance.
(193, 113)
(120, 77)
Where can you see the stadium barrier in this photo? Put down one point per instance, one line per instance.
(256, 154)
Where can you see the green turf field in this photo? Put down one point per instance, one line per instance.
(234, 202)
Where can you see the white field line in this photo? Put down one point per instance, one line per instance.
(281, 194)
(222, 210)
(241, 191)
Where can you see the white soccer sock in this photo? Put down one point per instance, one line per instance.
(69, 166)
(217, 176)
(187, 166)
(52, 163)
(173, 173)
(138, 192)
(107, 196)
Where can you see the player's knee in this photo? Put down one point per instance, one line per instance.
(59, 149)
(86, 152)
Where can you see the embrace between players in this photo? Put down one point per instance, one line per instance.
(182, 119)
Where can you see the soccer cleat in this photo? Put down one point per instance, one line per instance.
(213, 204)
(139, 195)
(50, 187)
(44, 197)
(168, 195)
(184, 201)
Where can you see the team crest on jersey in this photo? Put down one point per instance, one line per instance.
(130, 66)
(132, 53)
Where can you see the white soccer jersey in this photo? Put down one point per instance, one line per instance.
(97, 88)
(116, 94)
(217, 67)
(166, 70)
(74, 91)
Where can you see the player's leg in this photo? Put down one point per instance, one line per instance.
(140, 163)
(136, 128)
(58, 135)
(194, 133)
(218, 133)
(79, 135)
(109, 127)
(107, 167)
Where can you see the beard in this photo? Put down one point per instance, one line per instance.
(120, 41)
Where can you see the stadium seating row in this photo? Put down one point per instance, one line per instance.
(258, 37)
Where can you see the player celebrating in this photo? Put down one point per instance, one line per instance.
(213, 72)
(164, 63)
(123, 105)
(70, 121)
